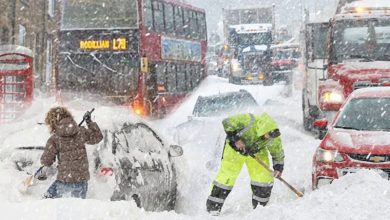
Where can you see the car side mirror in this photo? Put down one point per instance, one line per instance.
(175, 151)
(321, 125)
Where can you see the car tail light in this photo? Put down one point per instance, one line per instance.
(320, 123)
(105, 171)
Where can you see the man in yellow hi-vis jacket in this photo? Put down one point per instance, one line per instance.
(248, 136)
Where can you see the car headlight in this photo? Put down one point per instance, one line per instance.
(332, 97)
(328, 156)
(249, 77)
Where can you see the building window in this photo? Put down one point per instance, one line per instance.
(50, 8)
(22, 35)
(4, 35)
(25, 2)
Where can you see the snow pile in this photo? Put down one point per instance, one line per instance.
(363, 195)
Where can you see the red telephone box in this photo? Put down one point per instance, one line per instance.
(16, 81)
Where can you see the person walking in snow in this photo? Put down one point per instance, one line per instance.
(248, 136)
(67, 144)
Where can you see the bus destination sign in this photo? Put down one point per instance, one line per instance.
(114, 44)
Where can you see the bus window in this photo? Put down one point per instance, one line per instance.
(194, 25)
(161, 71)
(179, 21)
(148, 15)
(181, 78)
(187, 16)
(194, 75)
(171, 82)
(189, 76)
(169, 24)
(202, 26)
(158, 15)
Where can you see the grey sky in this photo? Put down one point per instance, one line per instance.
(288, 12)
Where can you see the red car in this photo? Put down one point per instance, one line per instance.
(358, 138)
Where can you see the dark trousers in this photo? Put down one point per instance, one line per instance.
(59, 188)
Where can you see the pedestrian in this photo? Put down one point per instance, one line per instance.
(67, 144)
(248, 136)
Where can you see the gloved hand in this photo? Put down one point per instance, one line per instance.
(41, 173)
(232, 137)
(87, 117)
(278, 170)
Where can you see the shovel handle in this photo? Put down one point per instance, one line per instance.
(297, 192)
(93, 109)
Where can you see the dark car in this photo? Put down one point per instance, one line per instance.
(208, 113)
(358, 138)
(215, 105)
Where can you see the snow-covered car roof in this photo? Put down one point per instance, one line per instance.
(285, 46)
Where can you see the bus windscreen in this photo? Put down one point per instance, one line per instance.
(92, 14)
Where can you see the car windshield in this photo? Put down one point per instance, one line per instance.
(361, 39)
(99, 14)
(215, 105)
(368, 114)
(138, 137)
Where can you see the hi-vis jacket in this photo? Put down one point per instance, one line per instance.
(250, 128)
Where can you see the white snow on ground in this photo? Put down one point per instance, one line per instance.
(363, 195)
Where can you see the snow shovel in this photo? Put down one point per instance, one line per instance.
(29, 181)
(297, 192)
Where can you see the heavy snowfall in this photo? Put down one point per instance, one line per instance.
(364, 194)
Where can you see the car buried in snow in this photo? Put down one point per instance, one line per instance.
(358, 137)
(132, 155)
(209, 110)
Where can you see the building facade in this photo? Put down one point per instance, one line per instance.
(33, 24)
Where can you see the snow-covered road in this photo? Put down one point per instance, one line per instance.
(364, 195)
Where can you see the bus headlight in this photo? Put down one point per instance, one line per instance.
(328, 156)
(332, 97)
(261, 76)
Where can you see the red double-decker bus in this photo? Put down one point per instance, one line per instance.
(148, 54)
